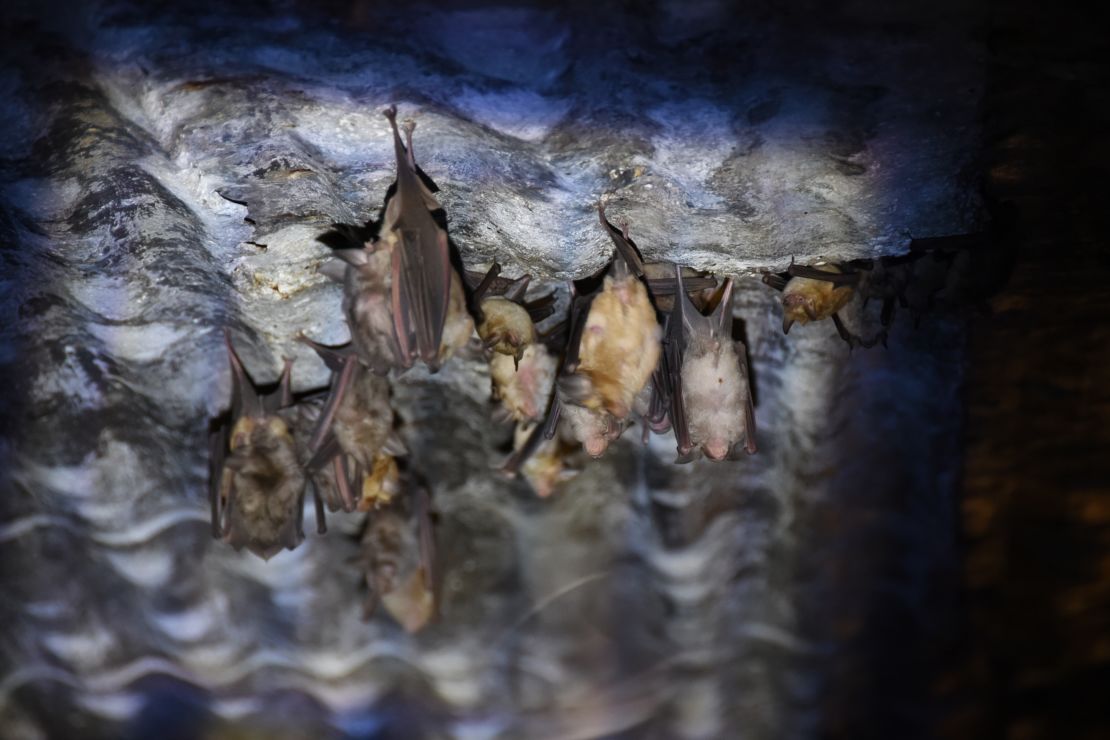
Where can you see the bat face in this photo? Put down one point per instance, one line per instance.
(525, 387)
(421, 264)
(806, 299)
(506, 327)
(715, 400)
(257, 485)
(595, 429)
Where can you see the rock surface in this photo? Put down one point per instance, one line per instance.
(166, 174)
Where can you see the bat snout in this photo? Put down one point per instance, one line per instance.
(716, 449)
(596, 446)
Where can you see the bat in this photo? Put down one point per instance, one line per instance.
(428, 302)
(354, 435)
(365, 272)
(934, 270)
(817, 293)
(657, 276)
(711, 402)
(505, 325)
(542, 462)
(398, 551)
(615, 350)
(256, 483)
(538, 309)
(524, 388)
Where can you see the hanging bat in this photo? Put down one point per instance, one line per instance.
(524, 388)
(615, 349)
(428, 303)
(354, 435)
(657, 276)
(543, 462)
(711, 402)
(504, 323)
(365, 272)
(817, 293)
(256, 483)
(398, 552)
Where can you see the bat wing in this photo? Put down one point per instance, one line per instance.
(421, 287)
(674, 344)
(244, 398)
(426, 534)
(747, 444)
(776, 280)
(625, 246)
(812, 273)
(540, 308)
(218, 439)
(666, 286)
(513, 462)
(340, 385)
(576, 323)
(421, 261)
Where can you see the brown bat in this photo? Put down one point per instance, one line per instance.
(930, 271)
(504, 323)
(615, 351)
(398, 552)
(256, 483)
(816, 293)
(354, 435)
(711, 403)
(543, 462)
(428, 302)
(365, 272)
(524, 388)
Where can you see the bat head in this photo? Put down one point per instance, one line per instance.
(715, 328)
(506, 327)
(797, 307)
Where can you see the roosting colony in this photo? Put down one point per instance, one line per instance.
(647, 342)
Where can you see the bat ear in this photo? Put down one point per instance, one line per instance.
(619, 268)
(519, 287)
(333, 269)
(394, 446)
(244, 398)
(333, 357)
(691, 319)
(487, 281)
(722, 314)
(283, 396)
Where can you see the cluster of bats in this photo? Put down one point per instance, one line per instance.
(643, 342)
